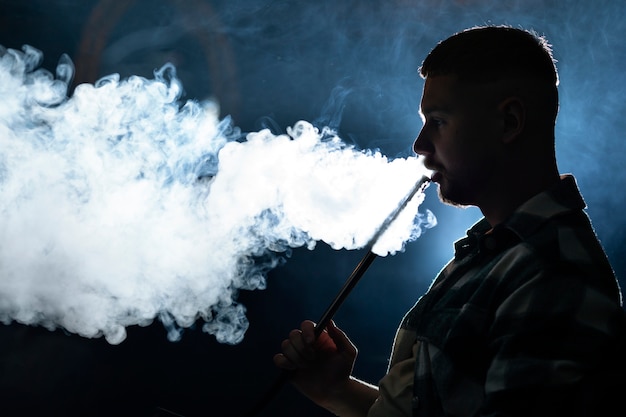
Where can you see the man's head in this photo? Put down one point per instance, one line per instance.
(489, 54)
(489, 108)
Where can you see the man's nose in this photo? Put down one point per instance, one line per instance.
(422, 146)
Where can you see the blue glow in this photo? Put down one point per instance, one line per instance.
(350, 64)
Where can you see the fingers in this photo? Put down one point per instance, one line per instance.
(282, 362)
(297, 349)
(301, 348)
(308, 331)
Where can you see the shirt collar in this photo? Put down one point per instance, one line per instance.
(564, 197)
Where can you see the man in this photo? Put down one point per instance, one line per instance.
(527, 318)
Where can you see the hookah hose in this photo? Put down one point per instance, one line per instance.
(324, 320)
(349, 284)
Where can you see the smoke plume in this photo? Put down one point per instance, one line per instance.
(121, 204)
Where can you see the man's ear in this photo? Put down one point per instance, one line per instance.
(513, 112)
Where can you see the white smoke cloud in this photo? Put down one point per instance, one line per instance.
(120, 204)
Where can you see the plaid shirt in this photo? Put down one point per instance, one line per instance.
(526, 320)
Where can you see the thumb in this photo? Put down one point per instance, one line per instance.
(343, 343)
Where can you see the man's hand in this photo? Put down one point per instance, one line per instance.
(321, 367)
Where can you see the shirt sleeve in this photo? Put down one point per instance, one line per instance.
(396, 387)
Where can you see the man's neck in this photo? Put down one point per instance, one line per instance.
(505, 198)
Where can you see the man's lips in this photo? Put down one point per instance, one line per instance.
(436, 176)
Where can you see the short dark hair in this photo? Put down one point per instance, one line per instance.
(493, 53)
(490, 53)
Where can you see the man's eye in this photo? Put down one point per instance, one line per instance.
(436, 122)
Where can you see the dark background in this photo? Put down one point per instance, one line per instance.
(270, 64)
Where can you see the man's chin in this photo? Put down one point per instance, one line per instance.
(448, 198)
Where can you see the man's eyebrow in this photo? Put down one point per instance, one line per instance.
(423, 112)
(434, 109)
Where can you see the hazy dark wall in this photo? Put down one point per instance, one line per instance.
(351, 65)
